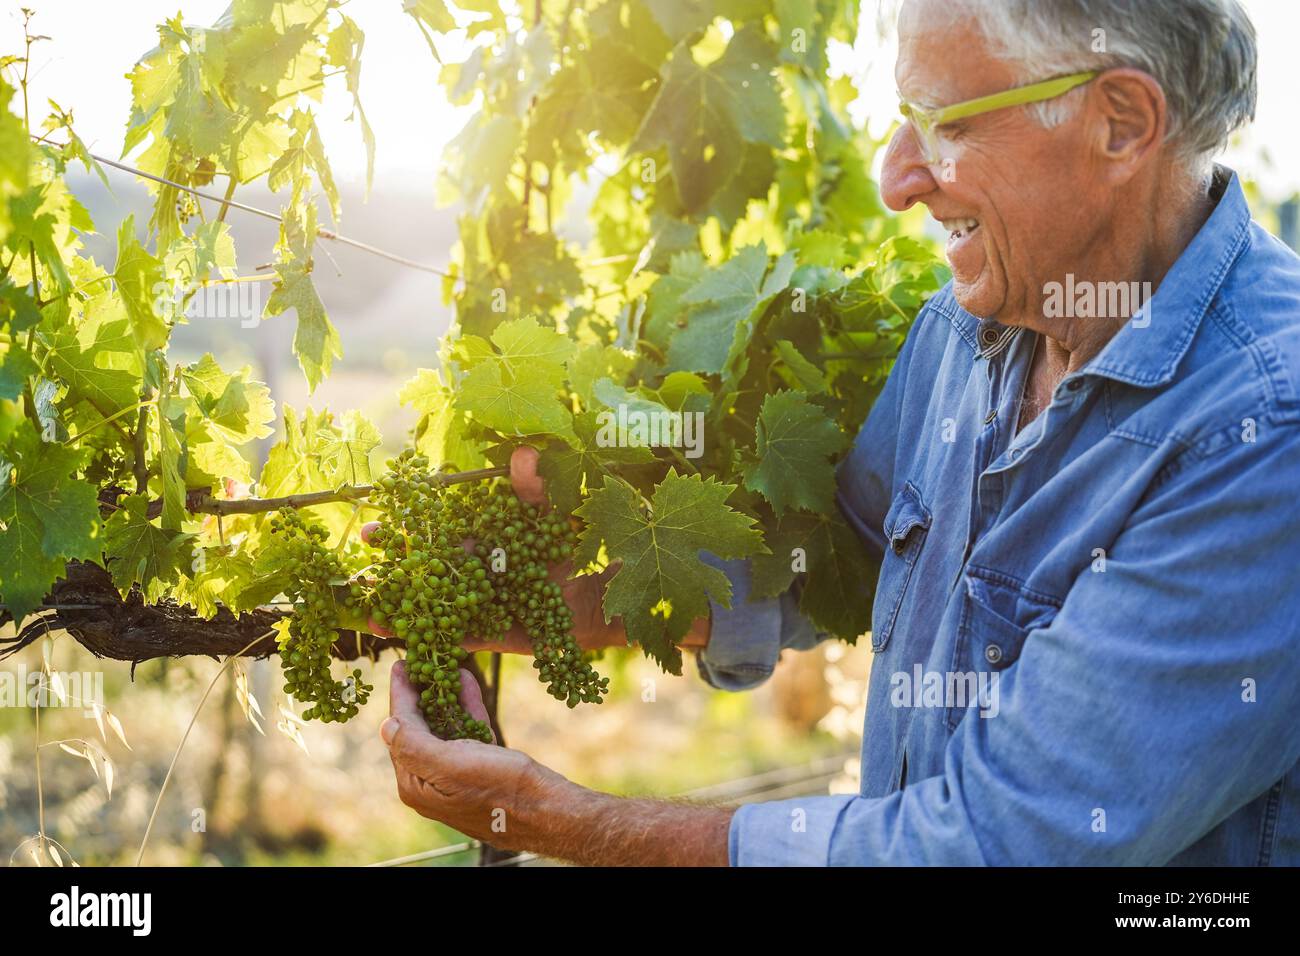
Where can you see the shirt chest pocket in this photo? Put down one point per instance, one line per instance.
(906, 526)
(997, 617)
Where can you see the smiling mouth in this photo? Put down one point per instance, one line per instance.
(959, 228)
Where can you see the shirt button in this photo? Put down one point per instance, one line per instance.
(988, 419)
(1015, 453)
(993, 653)
(1074, 384)
(988, 336)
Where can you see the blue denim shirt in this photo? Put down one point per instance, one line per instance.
(1121, 578)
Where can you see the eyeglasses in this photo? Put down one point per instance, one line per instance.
(926, 122)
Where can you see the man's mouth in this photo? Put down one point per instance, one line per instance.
(959, 228)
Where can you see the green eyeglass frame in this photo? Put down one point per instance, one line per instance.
(926, 121)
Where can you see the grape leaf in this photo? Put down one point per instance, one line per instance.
(48, 518)
(238, 409)
(440, 432)
(222, 575)
(293, 463)
(304, 152)
(523, 343)
(172, 460)
(727, 298)
(345, 451)
(198, 122)
(16, 366)
(209, 247)
(34, 227)
(606, 91)
(817, 247)
(514, 403)
(515, 392)
(570, 467)
(678, 18)
(665, 312)
(660, 553)
(469, 350)
(138, 552)
(614, 397)
(682, 391)
(480, 156)
(103, 371)
(810, 377)
(15, 153)
(316, 341)
(840, 575)
(344, 50)
(704, 115)
(794, 441)
(45, 393)
(594, 362)
(210, 460)
(752, 180)
(139, 278)
(18, 311)
(430, 13)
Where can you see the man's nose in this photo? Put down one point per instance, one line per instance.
(905, 177)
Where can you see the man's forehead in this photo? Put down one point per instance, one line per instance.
(943, 56)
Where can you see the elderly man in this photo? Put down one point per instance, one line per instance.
(1084, 508)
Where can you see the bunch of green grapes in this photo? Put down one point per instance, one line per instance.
(311, 569)
(432, 592)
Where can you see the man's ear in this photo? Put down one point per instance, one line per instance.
(1131, 117)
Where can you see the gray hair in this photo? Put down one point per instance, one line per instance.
(1201, 52)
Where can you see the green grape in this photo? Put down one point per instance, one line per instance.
(305, 656)
(435, 593)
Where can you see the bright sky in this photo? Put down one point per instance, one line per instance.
(95, 42)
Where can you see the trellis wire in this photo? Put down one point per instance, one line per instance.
(321, 231)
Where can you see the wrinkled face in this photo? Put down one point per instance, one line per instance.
(1021, 203)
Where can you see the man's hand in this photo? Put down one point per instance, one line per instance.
(505, 798)
(480, 789)
(582, 594)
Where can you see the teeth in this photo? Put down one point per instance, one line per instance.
(959, 227)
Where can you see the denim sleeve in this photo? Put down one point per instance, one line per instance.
(746, 640)
(1159, 700)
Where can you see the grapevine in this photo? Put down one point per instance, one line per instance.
(311, 570)
(738, 273)
(433, 591)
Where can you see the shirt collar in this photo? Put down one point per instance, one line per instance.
(1147, 350)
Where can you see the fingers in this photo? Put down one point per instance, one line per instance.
(367, 530)
(408, 737)
(525, 480)
(403, 698)
(471, 698)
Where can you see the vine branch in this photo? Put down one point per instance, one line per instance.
(91, 609)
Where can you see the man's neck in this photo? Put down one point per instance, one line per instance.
(1137, 249)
